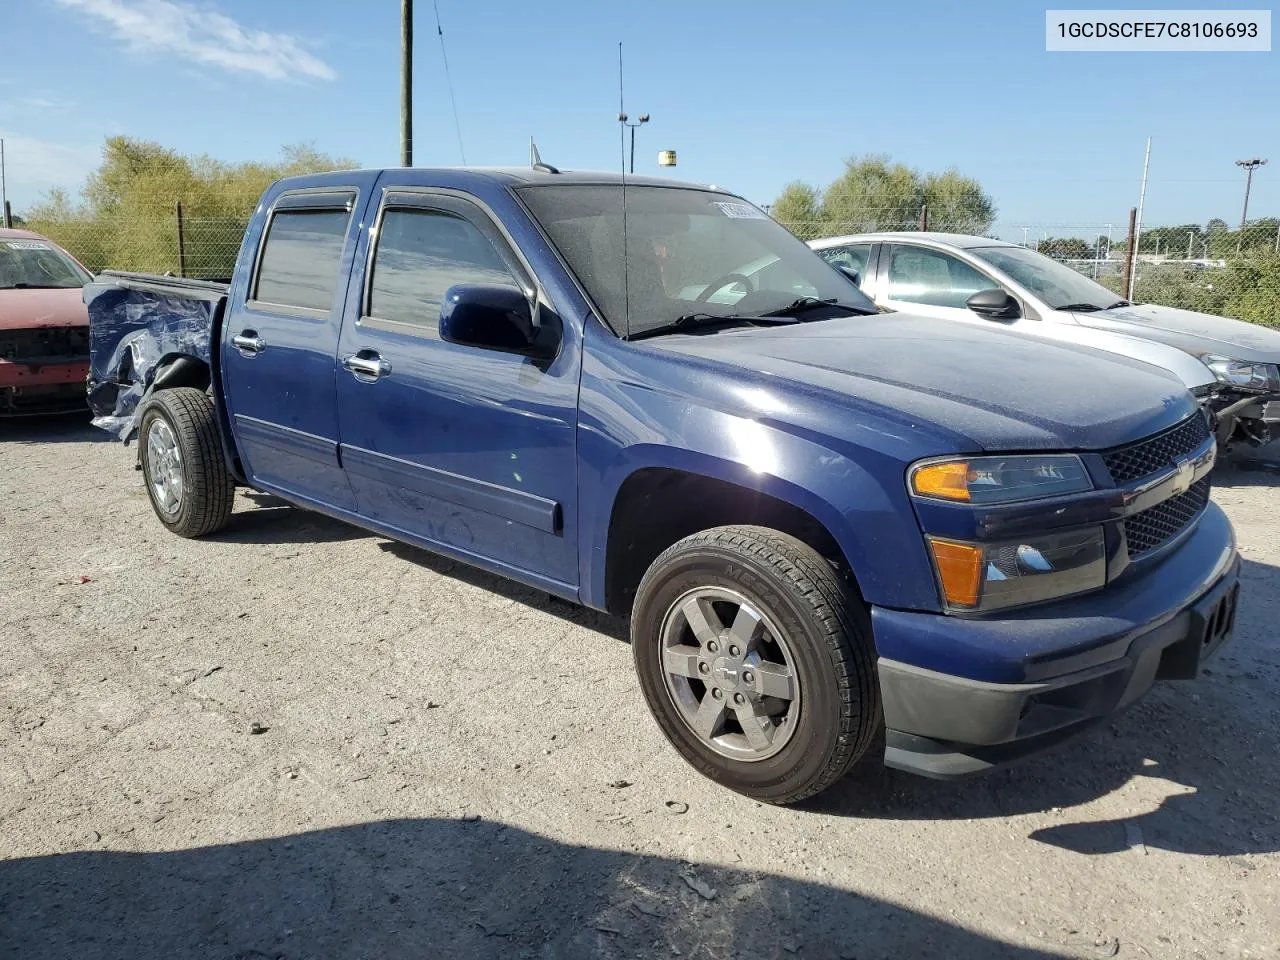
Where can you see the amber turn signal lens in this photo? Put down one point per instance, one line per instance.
(947, 481)
(960, 570)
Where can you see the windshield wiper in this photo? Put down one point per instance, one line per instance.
(1081, 307)
(690, 321)
(1118, 303)
(31, 286)
(804, 304)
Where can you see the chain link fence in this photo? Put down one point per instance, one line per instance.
(203, 248)
(1227, 273)
(1216, 278)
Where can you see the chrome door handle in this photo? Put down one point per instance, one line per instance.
(248, 343)
(367, 368)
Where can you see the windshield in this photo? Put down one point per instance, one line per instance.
(687, 252)
(1053, 282)
(38, 263)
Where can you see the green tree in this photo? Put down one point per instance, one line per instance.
(1254, 290)
(126, 215)
(1066, 248)
(957, 203)
(873, 193)
(798, 209)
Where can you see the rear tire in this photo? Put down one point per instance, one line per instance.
(186, 477)
(757, 662)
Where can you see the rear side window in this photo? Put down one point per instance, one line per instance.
(420, 255)
(300, 259)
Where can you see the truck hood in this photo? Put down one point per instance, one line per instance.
(1196, 333)
(29, 309)
(988, 389)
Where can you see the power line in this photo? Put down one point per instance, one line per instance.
(457, 125)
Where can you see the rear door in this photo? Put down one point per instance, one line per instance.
(280, 339)
(456, 446)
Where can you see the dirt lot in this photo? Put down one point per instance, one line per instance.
(298, 740)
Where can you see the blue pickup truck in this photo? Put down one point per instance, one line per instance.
(830, 526)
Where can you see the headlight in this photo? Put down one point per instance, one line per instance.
(992, 576)
(999, 479)
(1241, 373)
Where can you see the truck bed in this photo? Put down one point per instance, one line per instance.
(138, 322)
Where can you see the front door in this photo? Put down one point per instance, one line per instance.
(930, 283)
(457, 446)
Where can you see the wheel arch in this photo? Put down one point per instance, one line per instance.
(190, 370)
(659, 503)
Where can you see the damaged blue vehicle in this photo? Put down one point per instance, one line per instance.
(830, 527)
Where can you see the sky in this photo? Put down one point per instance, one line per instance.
(751, 94)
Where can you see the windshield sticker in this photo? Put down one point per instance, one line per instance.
(26, 245)
(741, 211)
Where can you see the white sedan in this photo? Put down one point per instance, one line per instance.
(1233, 366)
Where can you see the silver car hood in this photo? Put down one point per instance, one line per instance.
(1196, 333)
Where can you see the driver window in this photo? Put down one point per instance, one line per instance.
(918, 275)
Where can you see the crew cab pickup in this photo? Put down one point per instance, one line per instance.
(823, 522)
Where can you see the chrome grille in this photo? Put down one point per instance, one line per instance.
(1141, 459)
(1156, 525)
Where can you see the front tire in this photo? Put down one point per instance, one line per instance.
(187, 480)
(756, 660)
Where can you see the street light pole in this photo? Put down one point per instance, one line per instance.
(406, 83)
(642, 119)
(1249, 167)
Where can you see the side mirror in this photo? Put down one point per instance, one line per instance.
(852, 274)
(491, 316)
(994, 304)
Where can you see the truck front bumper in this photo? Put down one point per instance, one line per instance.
(1027, 682)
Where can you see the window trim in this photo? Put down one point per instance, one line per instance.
(312, 199)
(887, 261)
(455, 203)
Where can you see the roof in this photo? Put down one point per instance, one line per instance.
(527, 175)
(19, 235)
(961, 240)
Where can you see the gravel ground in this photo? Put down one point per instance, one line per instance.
(299, 740)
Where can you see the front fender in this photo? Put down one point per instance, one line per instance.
(861, 500)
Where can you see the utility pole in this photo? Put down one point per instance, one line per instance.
(642, 119)
(1135, 228)
(1249, 167)
(406, 83)
(4, 192)
(1126, 278)
(622, 115)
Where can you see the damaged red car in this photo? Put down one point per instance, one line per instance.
(44, 329)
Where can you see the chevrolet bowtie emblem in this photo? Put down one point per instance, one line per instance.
(1186, 472)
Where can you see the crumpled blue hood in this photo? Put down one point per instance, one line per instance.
(1196, 333)
(998, 390)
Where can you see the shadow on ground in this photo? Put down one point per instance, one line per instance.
(277, 521)
(446, 888)
(1198, 736)
(1249, 468)
(65, 428)
(615, 627)
(1212, 740)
